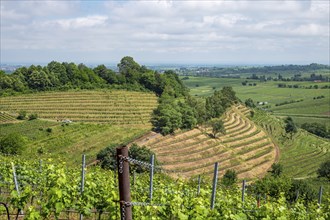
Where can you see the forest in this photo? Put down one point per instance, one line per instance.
(64, 76)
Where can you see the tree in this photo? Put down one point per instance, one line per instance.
(276, 170)
(249, 103)
(21, 115)
(107, 157)
(301, 189)
(130, 69)
(317, 129)
(229, 93)
(33, 116)
(166, 118)
(12, 144)
(107, 74)
(324, 170)
(290, 126)
(217, 126)
(39, 80)
(59, 71)
(142, 154)
(189, 120)
(229, 178)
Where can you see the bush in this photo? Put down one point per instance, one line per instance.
(49, 130)
(229, 178)
(107, 157)
(143, 154)
(249, 103)
(12, 144)
(33, 116)
(324, 170)
(21, 115)
(277, 170)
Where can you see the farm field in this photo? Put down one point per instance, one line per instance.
(100, 119)
(7, 118)
(300, 156)
(314, 109)
(67, 142)
(114, 107)
(245, 147)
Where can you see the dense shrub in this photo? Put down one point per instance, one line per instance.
(12, 144)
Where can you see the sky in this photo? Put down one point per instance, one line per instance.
(218, 32)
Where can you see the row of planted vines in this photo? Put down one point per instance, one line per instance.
(115, 107)
(44, 190)
(245, 148)
(301, 155)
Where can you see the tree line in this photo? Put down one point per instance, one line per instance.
(187, 112)
(237, 72)
(65, 76)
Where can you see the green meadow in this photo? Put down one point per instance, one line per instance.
(67, 142)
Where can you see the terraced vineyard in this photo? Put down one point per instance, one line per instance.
(7, 118)
(245, 148)
(300, 157)
(115, 107)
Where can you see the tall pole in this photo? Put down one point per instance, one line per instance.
(152, 161)
(123, 182)
(214, 188)
(83, 165)
(199, 185)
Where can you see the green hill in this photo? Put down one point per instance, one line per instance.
(99, 119)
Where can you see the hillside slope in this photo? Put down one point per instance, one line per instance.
(245, 148)
(302, 155)
(114, 118)
(114, 107)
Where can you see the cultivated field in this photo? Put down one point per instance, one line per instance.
(244, 148)
(6, 118)
(114, 107)
(300, 156)
(308, 110)
(100, 119)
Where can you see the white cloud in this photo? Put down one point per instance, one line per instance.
(183, 29)
(80, 22)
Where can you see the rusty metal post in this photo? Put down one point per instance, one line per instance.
(124, 184)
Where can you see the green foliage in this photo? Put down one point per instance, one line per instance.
(249, 103)
(33, 116)
(107, 157)
(272, 186)
(21, 115)
(302, 190)
(12, 144)
(167, 118)
(143, 154)
(57, 189)
(324, 170)
(317, 129)
(290, 126)
(276, 170)
(229, 178)
(217, 126)
(64, 76)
